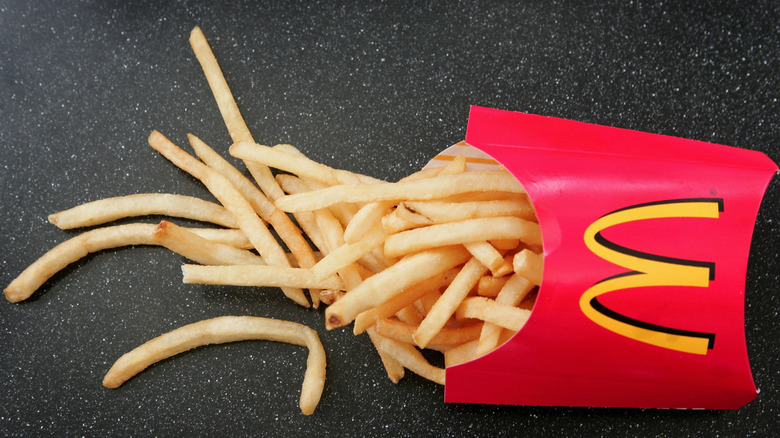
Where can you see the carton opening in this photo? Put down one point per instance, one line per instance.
(511, 283)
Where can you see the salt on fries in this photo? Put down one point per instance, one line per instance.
(447, 259)
(225, 329)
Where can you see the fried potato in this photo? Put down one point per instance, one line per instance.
(228, 329)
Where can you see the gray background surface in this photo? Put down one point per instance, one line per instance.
(375, 87)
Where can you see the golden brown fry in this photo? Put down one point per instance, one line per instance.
(490, 286)
(426, 189)
(142, 204)
(530, 265)
(445, 307)
(487, 254)
(196, 248)
(513, 292)
(231, 198)
(512, 318)
(347, 254)
(440, 212)
(453, 233)
(229, 109)
(73, 249)
(228, 329)
(254, 275)
(395, 371)
(447, 336)
(410, 358)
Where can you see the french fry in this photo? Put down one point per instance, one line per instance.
(410, 358)
(445, 307)
(490, 286)
(513, 292)
(447, 336)
(228, 329)
(440, 212)
(200, 250)
(426, 189)
(512, 318)
(395, 371)
(347, 254)
(257, 275)
(454, 233)
(142, 204)
(231, 198)
(530, 265)
(487, 254)
(73, 249)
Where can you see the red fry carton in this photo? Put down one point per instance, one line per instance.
(646, 242)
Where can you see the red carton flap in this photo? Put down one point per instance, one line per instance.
(646, 242)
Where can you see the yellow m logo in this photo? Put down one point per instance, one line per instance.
(649, 270)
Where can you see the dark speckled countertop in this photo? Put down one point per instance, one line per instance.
(375, 87)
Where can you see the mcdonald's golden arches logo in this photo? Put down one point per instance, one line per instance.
(645, 269)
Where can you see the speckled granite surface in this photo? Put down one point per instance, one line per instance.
(368, 86)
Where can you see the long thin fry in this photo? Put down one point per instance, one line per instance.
(395, 371)
(512, 318)
(296, 164)
(200, 250)
(513, 292)
(449, 301)
(228, 329)
(411, 358)
(426, 189)
(347, 254)
(264, 275)
(142, 204)
(453, 233)
(403, 332)
(73, 249)
(234, 122)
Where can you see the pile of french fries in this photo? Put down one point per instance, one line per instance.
(446, 259)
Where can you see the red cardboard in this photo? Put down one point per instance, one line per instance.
(646, 242)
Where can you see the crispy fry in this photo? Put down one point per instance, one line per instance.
(198, 249)
(513, 292)
(403, 299)
(452, 233)
(440, 212)
(395, 371)
(287, 231)
(229, 109)
(142, 204)
(264, 275)
(410, 358)
(447, 336)
(347, 254)
(228, 329)
(486, 254)
(73, 249)
(490, 286)
(512, 318)
(450, 299)
(530, 265)
(426, 189)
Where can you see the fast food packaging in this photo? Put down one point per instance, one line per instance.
(646, 241)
